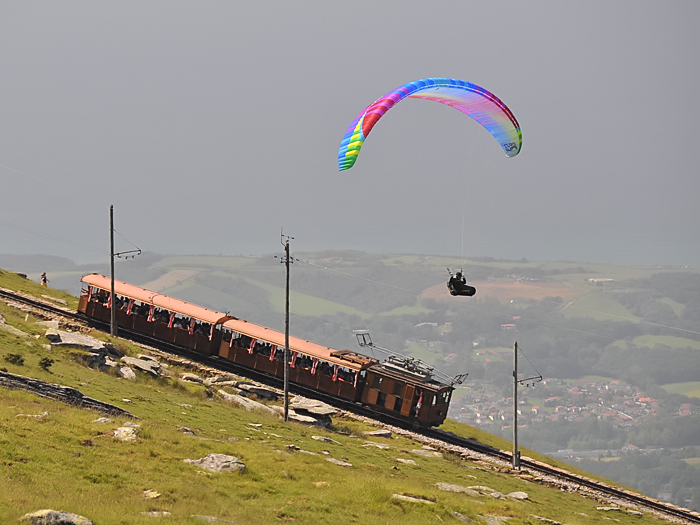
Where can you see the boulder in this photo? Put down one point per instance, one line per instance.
(210, 519)
(126, 433)
(192, 378)
(312, 406)
(11, 329)
(218, 463)
(145, 365)
(412, 499)
(263, 393)
(381, 446)
(338, 462)
(55, 517)
(378, 433)
(325, 440)
(427, 453)
(127, 372)
(407, 461)
(449, 487)
(246, 403)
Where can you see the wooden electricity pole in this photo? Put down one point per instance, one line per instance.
(516, 454)
(113, 309)
(286, 335)
(287, 260)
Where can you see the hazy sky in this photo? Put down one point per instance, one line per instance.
(209, 125)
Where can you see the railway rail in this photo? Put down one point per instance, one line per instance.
(573, 481)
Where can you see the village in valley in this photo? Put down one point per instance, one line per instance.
(621, 404)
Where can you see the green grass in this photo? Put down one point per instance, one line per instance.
(690, 389)
(14, 282)
(677, 307)
(599, 307)
(66, 461)
(652, 341)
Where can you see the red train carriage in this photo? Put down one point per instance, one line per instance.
(338, 372)
(395, 388)
(154, 314)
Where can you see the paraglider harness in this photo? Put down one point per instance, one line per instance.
(457, 285)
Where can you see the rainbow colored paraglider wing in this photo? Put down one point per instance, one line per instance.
(470, 99)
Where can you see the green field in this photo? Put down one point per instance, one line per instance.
(652, 341)
(690, 389)
(599, 307)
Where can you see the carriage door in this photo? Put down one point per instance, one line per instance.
(409, 393)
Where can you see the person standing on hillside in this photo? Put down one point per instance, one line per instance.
(44, 280)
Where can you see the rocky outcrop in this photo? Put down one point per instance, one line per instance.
(60, 393)
(218, 463)
(54, 517)
(85, 348)
(11, 329)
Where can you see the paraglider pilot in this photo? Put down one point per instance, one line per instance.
(458, 285)
(43, 279)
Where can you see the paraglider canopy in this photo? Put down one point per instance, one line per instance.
(472, 100)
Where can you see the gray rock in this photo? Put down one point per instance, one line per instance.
(192, 378)
(218, 463)
(546, 520)
(381, 446)
(55, 517)
(62, 393)
(378, 433)
(126, 433)
(312, 406)
(157, 514)
(127, 372)
(210, 519)
(609, 509)
(518, 495)
(263, 393)
(75, 340)
(494, 520)
(338, 462)
(220, 379)
(102, 420)
(145, 365)
(449, 487)
(11, 329)
(246, 403)
(407, 462)
(427, 453)
(461, 517)
(412, 499)
(325, 440)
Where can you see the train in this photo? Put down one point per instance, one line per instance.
(400, 387)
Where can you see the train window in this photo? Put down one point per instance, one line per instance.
(398, 404)
(377, 382)
(381, 399)
(398, 389)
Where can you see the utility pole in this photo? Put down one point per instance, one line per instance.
(516, 454)
(527, 382)
(287, 260)
(113, 320)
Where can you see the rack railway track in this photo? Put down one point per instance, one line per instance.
(591, 487)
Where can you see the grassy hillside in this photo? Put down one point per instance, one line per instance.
(65, 460)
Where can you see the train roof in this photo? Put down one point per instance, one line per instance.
(346, 358)
(157, 299)
(387, 370)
